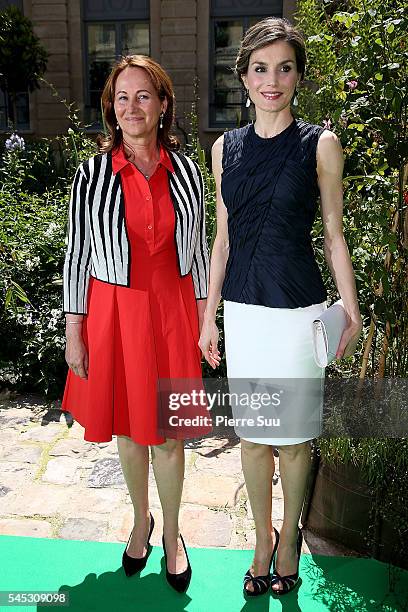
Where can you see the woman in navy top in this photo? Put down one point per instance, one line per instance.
(269, 175)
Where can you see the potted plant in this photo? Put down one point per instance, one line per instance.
(358, 495)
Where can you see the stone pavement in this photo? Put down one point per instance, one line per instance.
(53, 484)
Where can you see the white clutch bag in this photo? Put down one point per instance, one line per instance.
(327, 331)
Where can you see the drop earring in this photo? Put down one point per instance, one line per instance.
(161, 120)
(295, 98)
(117, 126)
(248, 100)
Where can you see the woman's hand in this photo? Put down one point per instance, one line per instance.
(208, 342)
(76, 354)
(350, 337)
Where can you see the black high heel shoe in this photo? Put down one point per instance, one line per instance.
(179, 582)
(131, 565)
(261, 583)
(288, 582)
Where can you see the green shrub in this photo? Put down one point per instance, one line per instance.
(358, 75)
(35, 186)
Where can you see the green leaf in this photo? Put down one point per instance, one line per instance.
(385, 284)
(20, 293)
(354, 178)
(356, 126)
(390, 28)
(9, 297)
(341, 17)
(378, 76)
(379, 42)
(389, 90)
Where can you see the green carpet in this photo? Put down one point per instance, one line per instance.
(91, 573)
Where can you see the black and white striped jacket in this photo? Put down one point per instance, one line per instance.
(97, 238)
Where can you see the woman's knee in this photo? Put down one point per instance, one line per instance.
(127, 446)
(168, 449)
(255, 450)
(291, 451)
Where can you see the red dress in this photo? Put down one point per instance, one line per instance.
(138, 334)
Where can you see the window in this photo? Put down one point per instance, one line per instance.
(6, 3)
(7, 119)
(107, 37)
(229, 22)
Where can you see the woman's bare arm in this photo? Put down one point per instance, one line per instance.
(330, 163)
(219, 257)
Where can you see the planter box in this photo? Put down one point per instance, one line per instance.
(337, 507)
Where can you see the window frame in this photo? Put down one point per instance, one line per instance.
(25, 127)
(232, 14)
(4, 5)
(97, 126)
(211, 81)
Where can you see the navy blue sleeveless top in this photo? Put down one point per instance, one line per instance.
(269, 187)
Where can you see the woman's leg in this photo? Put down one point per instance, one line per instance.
(134, 459)
(294, 465)
(258, 464)
(168, 467)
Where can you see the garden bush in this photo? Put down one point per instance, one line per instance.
(357, 86)
(35, 185)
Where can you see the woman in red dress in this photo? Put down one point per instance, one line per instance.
(135, 288)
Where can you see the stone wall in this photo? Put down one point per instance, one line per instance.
(179, 37)
(178, 51)
(50, 20)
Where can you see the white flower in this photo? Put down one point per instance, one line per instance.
(15, 143)
(32, 263)
(59, 342)
(9, 374)
(25, 318)
(51, 229)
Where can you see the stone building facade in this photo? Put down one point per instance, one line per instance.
(194, 40)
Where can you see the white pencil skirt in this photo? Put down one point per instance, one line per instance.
(271, 348)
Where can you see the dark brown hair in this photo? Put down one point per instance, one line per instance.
(266, 32)
(162, 84)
